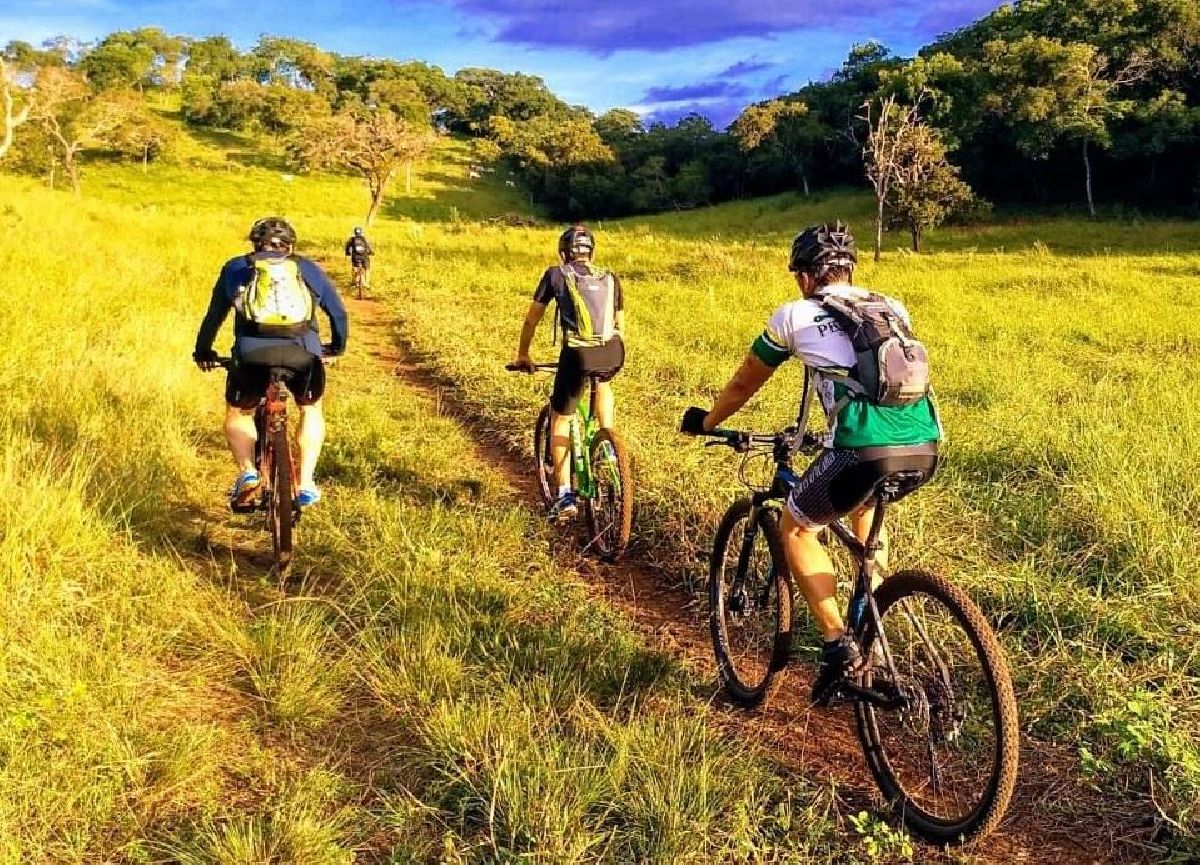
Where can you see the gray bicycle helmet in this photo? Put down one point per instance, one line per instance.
(819, 248)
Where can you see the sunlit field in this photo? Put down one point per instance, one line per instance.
(437, 689)
(433, 689)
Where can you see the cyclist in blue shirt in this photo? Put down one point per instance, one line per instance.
(257, 347)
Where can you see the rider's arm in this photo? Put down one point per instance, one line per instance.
(533, 317)
(618, 307)
(329, 301)
(218, 308)
(770, 350)
(750, 376)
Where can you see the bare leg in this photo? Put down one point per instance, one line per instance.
(861, 520)
(606, 405)
(311, 437)
(242, 435)
(813, 570)
(560, 447)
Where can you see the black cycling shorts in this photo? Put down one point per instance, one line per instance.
(575, 365)
(841, 481)
(247, 382)
(364, 261)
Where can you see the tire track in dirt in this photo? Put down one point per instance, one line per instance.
(1053, 818)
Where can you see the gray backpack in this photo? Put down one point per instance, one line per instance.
(892, 367)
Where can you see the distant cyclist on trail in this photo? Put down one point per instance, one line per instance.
(274, 294)
(868, 437)
(591, 310)
(359, 251)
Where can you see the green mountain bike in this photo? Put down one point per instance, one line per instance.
(601, 472)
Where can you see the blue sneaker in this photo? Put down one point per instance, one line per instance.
(307, 498)
(245, 488)
(565, 509)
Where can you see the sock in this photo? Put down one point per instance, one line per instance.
(562, 491)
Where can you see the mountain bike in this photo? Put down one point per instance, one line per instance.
(276, 466)
(934, 707)
(359, 274)
(601, 472)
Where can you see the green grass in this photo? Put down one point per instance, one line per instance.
(1062, 354)
(434, 690)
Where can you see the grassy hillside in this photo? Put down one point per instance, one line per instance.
(437, 690)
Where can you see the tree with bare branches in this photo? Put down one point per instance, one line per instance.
(890, 126)
(74, 118)
(373, 146)
(10, 93)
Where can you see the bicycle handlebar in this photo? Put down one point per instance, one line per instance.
(742, 441)
(536, 367)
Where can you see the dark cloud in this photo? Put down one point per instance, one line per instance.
(693, 92)
(665, 24)
(777, 85)
(746, 67)
(720, 114)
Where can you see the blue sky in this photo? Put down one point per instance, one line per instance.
(662, 59)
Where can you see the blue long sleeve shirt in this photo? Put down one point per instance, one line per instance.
(234, 278)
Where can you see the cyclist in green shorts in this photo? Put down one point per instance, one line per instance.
(591, 310)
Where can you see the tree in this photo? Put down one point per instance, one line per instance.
(784, 127)
(10, 94)
(890, 128)
(74, 118)
(372, 146)
(148, 57)
(926, 188)
(1053, 92)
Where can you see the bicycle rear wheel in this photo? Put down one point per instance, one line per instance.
(947, 763)
(280, 503)
(543, 459)
(750, 603)
(610, 512)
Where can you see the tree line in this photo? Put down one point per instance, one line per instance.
(1043, 101)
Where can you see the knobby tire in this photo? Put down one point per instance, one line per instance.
(749, 652)
(971, 792)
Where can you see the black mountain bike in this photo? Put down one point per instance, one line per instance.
(935, 710)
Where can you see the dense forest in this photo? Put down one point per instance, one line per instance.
(1042, 101)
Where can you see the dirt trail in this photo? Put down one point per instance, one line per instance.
(1054, 818)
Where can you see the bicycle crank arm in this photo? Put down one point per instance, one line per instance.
(889, 699)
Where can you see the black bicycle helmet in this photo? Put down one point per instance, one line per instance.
(358, 231)
(821, 247)
(272, 231)
(577, 237)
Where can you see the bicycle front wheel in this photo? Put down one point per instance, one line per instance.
(543, 458)
(947, 760)
(280, 504)
(610, 511)
(750, 602)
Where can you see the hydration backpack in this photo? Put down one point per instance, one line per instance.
(591, 298)
(277, 301)
(892, 367)
(358, 246)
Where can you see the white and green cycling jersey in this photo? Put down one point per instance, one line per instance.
(806, 330)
